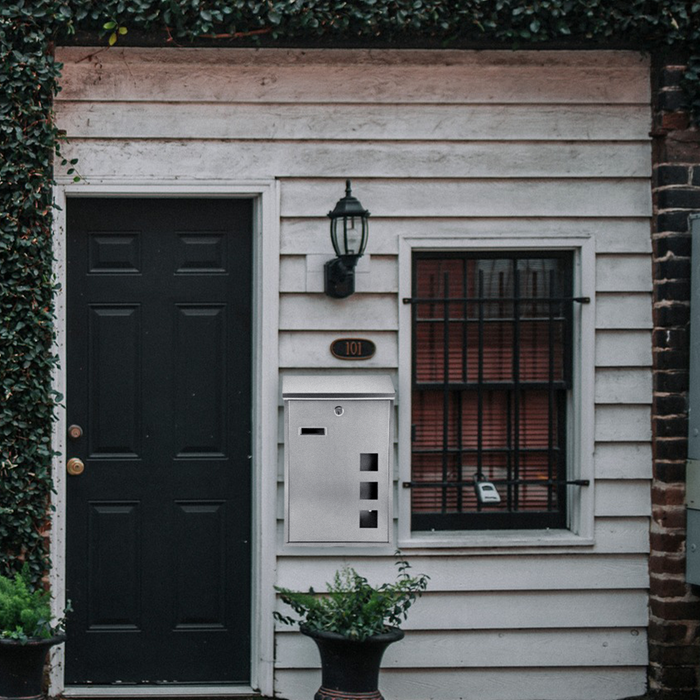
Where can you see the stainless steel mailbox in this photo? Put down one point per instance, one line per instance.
(338, 466)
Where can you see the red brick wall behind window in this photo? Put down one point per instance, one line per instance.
(674, 644)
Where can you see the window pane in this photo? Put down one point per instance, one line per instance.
(491, 338)
(482, 335)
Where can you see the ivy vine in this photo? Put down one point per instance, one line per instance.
(30, 146)
(28, 80)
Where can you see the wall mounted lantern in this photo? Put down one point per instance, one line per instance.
(349, 233)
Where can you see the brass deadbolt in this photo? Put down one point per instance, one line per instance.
(75, 432)
(75, 466)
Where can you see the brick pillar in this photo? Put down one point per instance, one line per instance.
(674, 629)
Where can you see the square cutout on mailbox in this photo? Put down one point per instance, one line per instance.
(369, 490)
(369, 518)
(369, 462)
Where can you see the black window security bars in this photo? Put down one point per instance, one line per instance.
(492, 347)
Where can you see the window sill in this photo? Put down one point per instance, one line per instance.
(490, 539)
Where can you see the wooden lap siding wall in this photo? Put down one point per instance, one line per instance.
(438, 144)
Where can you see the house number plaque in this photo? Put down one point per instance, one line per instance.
(353, 349)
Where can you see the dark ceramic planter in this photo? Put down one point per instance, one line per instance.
(350, 669)
(22, 667)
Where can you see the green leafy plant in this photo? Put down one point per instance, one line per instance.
(116, 31)
(351, 606)
(25, 613)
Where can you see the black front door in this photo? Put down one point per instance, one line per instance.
(159, 409)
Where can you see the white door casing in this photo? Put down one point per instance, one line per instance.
(265, 379)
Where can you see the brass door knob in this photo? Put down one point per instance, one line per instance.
(75, 466)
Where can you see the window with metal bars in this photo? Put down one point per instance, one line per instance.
(492, 349)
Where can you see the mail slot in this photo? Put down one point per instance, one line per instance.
(338, 459)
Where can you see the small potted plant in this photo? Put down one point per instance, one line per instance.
(352, 624)
(27, 632)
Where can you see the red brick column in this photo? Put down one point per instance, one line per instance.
(674, 629)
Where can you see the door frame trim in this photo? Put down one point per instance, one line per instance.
(266, 246)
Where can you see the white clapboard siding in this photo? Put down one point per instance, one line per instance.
(312, 349)
(348, 122)
(623, 460)
(480, 573)
(622, 535)
(302, 159)
(597, 683)
(249, 75)
(537, 61)
(477, 649)
(622, 498)
(623, 348)
(453, 145)
(526, 610)
(482, 198)
(361, 312)
(622, 423)
(623, 311)
(305, 273)
(612, 535)
(293, 273)
(310, 235)
(617, 273)
(378, 273)
(621, 386)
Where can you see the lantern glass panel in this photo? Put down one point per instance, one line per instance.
(352, 235)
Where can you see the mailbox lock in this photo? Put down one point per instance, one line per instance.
(339, 410)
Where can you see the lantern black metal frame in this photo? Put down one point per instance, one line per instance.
(349, 243)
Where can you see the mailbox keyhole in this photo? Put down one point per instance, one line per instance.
(368, 518)
(369, 490)
(369, 462)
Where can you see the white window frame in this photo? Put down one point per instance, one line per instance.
(580, 410)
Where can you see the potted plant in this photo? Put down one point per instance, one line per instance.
(352, 624)
(27, 632)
